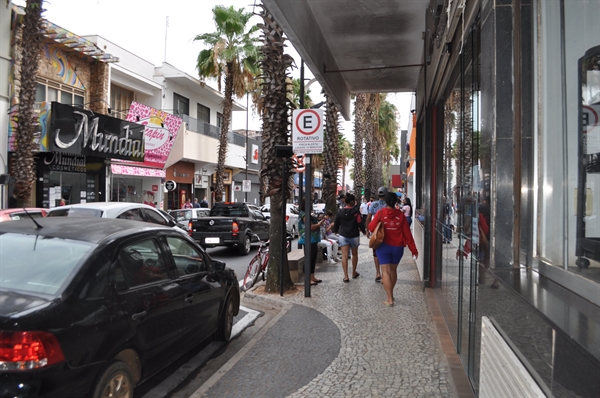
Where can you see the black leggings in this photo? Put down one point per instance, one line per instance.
(313, 257)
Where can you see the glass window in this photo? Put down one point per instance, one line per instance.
(120, 100)
(140, 263)
(40, 93)
(219, 120)
(154, 217)
(66, 98)
(568, 233)
(181, 105)
(39, 264)
(188, 259)
(203, 114)
(132, 214)
(53, 95)
(77, 100)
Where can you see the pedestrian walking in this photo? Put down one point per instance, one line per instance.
(187, 204)
(364, 209)
(396, 235)
(407, 210)
(348, 225)
(196, 204)
(315, 238)
(376, 205)
(204, 203)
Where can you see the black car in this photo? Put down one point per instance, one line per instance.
(87, 307)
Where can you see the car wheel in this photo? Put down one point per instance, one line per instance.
(226, 321)
(116, 381)
(245, 246)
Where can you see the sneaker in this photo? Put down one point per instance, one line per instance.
(331, 261)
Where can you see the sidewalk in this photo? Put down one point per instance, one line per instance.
(344, 342)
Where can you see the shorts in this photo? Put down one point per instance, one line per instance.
(353, 242)
(388, 254)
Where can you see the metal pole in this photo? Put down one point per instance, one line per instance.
(283, 224)
(247, 154)
(301, 175)
(307, 226)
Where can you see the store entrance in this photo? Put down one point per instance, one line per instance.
(73, 188)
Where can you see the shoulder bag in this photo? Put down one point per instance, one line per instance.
(377, 236)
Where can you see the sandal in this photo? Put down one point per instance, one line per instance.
(346, 280)
(355, 276)
(314, 283)
(378, 279)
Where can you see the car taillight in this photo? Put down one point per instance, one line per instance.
(235, 228)
(287, 218)
(28, 350)
(190, 228)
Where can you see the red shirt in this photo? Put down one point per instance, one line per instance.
(397, 231)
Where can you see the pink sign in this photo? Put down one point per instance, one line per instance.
(137, 171)
(159, 135)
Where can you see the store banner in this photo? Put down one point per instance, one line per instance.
(82, 132)
(159, 135)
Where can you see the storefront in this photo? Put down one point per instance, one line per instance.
(136, 184)
(182, 174)
(72, 178)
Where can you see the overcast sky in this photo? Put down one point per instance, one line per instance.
(140, 26)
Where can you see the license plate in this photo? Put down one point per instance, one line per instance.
(211, 240)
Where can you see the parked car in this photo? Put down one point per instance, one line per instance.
(291, 217)
(20, 213)
(230, 224)
(183, 216)
(90, 308)
(121, 210)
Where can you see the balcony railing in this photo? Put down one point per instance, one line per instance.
(209, 130)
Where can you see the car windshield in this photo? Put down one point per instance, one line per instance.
(75, 212)
(229, 211)
(181, 215)
(39, 264)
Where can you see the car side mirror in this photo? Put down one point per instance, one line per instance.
(219, 265)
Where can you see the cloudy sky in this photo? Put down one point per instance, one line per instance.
(140, 26)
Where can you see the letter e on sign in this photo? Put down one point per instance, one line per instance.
(307, 131)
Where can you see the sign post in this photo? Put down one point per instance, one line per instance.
(307, 138)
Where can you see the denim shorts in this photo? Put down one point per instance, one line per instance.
(353, 242)
(388, 254)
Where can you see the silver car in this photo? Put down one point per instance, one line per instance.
(121, 210)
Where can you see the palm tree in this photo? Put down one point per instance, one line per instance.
(295, 95)
(373, 145)
(388, 128)
(360, 122)
(275, 114)
(232, 53)
(24, 169)
(331, 155)
(346, 154)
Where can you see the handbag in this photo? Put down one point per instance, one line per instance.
(377, 236)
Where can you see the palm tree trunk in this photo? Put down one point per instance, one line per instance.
(331, 155)
(360, 108)
(227, 105)
(24, 169)
(276, 127)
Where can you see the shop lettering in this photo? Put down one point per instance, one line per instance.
(60, 162)
(176, 174)
(101, 142)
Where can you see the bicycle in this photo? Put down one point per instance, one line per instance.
(258, 264)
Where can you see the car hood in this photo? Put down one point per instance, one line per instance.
(13, 303)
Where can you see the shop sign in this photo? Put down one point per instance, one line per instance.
(70, 163)
(82, 132)
(154, 188)
(160, 133)
(170, 185)
(200, 181)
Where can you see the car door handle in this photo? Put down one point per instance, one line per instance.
(139, 315)
(189, 299)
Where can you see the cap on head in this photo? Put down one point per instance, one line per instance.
(382, 191)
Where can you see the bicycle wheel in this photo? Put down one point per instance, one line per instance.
(252, 273)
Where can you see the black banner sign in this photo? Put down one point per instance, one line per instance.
(83, 132)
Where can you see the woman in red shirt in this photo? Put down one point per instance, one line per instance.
(397, 236)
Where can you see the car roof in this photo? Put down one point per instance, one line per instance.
(110, 208)
(79, 228)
